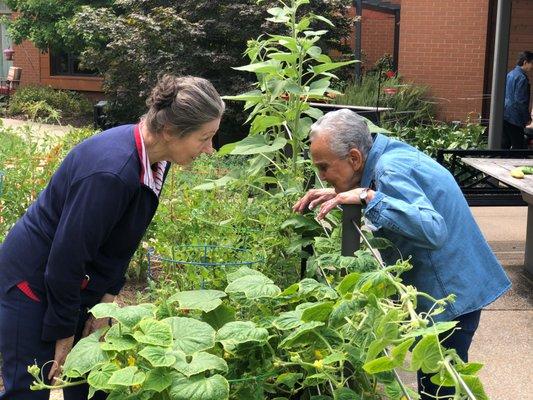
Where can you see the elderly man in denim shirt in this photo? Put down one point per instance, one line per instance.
(517, 97)
(413, 201)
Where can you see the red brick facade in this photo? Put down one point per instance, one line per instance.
(377, 35)
(442, 45)
(36, 71)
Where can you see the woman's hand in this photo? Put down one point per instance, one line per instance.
(92, 325)
(63, 347)
(312, 198)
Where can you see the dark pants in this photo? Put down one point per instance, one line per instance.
(513, 136)
(460, 340)
(21, 345)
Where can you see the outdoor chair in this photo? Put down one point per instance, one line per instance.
(9, 84)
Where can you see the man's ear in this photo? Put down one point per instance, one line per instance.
(356, 159)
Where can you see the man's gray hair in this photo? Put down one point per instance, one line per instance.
(346, 130)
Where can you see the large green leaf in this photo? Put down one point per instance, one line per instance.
(242, 272)
(117, 339)
(310, 287)
(153, 332)
(254, 95)
(85, 355)
(265, 67)
(215, 387)
(220, 316)
(427, 355)
(261, 123)
(388, 363)
(129, 376)
(191, 335)
(435, 329)
(348, 283)
(256, 144)
(198, 363)
(288, 320)
(205, 300)
(254, 287)
(318, 69)
(300, 335)
(157, 379)
(317, 312)
(128, 316)
(99, 378)
(158, 356)
(237, 332)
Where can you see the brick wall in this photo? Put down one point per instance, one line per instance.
(521, 33)
(377, 35)
(27, 57)
(442, 45)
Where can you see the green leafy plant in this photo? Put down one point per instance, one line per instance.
(255, 341)
(431, 138)
(41, 103)
(291, 70)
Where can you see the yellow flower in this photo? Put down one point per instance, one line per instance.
(131, 361)
(319, 364)
(318, 355)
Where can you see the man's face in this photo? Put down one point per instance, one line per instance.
(342, 173)
(528, 66)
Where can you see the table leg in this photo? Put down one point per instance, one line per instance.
(528, 259)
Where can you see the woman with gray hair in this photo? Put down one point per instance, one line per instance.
(71, 248)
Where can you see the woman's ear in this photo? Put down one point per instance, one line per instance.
(356, 159)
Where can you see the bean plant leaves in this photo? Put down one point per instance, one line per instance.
(191, 335)
(240, 273)
(215, 387)
(205, 300)
(318, 312)
(300, 336)
(198, 363)
(254, 287)
(435, 329)
(158, 356)
(387, 363)
(116, 339)
(85, 355)
(99, 378)
(129, 376)
(288, 320)
(153, 332)
(310, 287)
(427, 354)
(238, 332)
(128, 316)
(157, 380)
(348, 283)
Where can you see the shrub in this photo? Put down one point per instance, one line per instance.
(410, 103)
(430, 138)
(46, 104)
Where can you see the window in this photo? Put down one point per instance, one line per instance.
(62, 63)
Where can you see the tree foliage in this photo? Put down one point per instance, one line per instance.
(132, 42)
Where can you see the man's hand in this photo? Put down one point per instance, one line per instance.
(63, 347)
(312, 198)
(349, 197)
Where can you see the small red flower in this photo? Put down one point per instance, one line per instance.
(390, 74)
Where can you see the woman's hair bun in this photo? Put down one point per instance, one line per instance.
(165, 94)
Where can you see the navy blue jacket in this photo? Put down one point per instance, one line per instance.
(88, 221)
(517, 93)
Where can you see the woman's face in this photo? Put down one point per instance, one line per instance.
(183, 151)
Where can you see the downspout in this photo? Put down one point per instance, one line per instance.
(499, 73)
(357, 47)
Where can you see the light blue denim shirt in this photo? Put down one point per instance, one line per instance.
(420, 208)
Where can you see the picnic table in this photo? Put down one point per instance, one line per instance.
(500, 169)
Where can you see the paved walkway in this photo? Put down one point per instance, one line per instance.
(37, 128)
